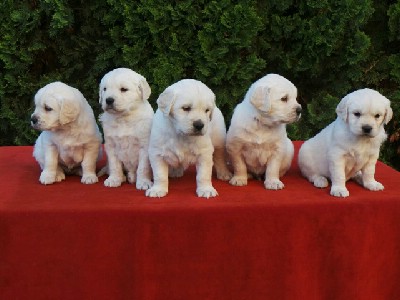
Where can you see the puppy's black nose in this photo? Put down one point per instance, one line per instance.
(110, 101)
(366, 129)
(34, 119)
(299, 110)
(198, 125)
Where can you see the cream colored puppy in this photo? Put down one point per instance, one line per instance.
(185, 126)
(257, 142)
(349, 146)
(126, 124)
(70, 139)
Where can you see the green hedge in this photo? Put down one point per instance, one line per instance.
(326, 48)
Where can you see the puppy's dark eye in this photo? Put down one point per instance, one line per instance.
(186, 108)
(207, 110)
(123, 90)
(47, 108)
(285, 99)
(105, 89)
(377, 116)
(357, 114)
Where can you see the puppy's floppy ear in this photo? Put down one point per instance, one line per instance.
(144, 88)
(260, 98)
(102, 85)
(388, 113)
(213, 107)
(69, 109)
(342, 108)
(166, 100)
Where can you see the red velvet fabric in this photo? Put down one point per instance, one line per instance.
(75, 241)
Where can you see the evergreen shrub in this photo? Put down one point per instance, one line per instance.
(326, 48)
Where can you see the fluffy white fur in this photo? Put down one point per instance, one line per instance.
(187, 127)
(349, 146)
(126, 124)
(70, 141)
(257, 142)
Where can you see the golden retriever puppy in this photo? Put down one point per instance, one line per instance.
(257, 142)
(70, 141)
(126, 124)
(185, 126)
(349, 146)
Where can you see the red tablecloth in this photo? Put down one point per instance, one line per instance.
(75, 241)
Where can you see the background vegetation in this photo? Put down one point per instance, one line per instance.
(327, 48)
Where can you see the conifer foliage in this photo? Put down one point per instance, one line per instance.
(326, 48)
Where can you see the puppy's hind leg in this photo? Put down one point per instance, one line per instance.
(89, 164)
(220, 165)
(308, 169)
(160, 174)
(176, 172)
(239, 165)
(60, 175)
(131, 176)
(319, 181)
(143, 181)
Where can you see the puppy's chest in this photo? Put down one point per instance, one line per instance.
(176, 155)
(356, 159)
(70, 155)
(257, 155)
(122, 129)
(259, 148)
(124, 144)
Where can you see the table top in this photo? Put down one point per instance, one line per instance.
(21, 191)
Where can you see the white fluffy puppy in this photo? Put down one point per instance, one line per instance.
(349, 146)
(256, 140)
(185, 126)
(126, 124)
(70, 137)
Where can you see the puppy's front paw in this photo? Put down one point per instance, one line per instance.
(238, 181)
(374, 186)
(339, 191)
(89, 178)
(144, 184)
(156, 191)
(224, 175)
(320, 182)
(206, 192)
(112, 181)
(60, 176)
(48, 178)
(273, 184)
(131, 177)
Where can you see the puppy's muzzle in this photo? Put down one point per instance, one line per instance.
(110, 102)
(198, 126)
(298, 111)
(366, 129)
(34, 121)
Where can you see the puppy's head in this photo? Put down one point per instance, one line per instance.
(56, 105)
(274, 98)
(365, 111)
(123, 90)
(189, 105)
